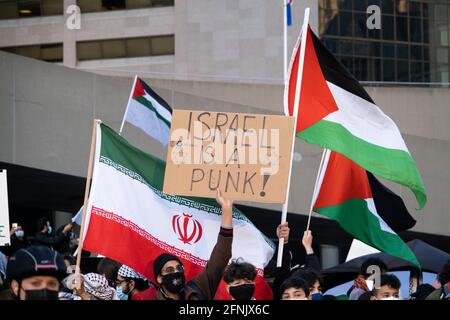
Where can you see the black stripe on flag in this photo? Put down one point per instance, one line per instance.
(390, 206)
(160, 100)
(335, 72)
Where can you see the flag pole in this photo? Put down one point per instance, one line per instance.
(128, 105)
(86, 195)
(314, 196)
(296, 105)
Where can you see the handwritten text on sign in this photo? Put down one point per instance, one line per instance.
(246, 156)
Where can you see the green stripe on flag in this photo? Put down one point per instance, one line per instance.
(355, 217)
(149, 105)
(392, 164)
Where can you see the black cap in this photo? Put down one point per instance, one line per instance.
(36, 261)
(159, 262)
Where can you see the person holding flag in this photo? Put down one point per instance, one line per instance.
(169, 270)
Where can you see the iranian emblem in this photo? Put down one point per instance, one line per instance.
(188, 230)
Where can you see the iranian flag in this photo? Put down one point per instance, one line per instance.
(148, 111)
(131, 221)
(362, 206)
(336, 113)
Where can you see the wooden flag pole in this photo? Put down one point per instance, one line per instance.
(86, 196)
(128, 104)
(296, 105)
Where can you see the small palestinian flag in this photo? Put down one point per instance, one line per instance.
(362, 206)
(336, 113)
(149, 112)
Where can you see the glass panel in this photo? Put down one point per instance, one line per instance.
(51, 7)
(387, 6)
(442, 55)
(401, 7)
(389, 50)
(415, 30)
(416, 72)
(360, 5)
(416, 53)
(138, 47)
(163, 45)
(345, 24)
(89, 50)
(389, 70)
(415, 9)
(8, 10)
(113, 49)
(331, 44)
(402, 29)
(387, 27)
(30, 8)
(360, 25)
(52, 52)
(402, 71)
(402, 51)
(346, 47)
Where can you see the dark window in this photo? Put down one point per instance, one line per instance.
(13, 9)
(402, 71)
(415, 30)
(389, 50)
(346, 24)
(387, 27)
(126, 48)
(402, 28)
(387, 6)
(46, 52)
(389, 70)
(108, 5)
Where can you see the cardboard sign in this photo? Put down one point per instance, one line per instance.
(4, 212)
(246, 156)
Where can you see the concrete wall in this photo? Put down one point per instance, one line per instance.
(46, 114)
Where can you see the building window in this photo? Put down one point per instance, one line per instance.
(45, 52)
(108, 5)
(13, 9)
(412, 45)
(126, 48)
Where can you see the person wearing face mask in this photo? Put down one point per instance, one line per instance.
(295, 288)
(18, 240)
(45, 236)
(240, 279)
(34, 273)
(389, 288)
(169, 274)
(132, 285)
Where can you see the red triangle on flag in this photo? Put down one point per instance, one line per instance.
(138, 89)
(316, 99)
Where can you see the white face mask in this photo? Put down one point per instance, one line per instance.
(390, 298)
(295, 298)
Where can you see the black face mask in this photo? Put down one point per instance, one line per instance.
(174, 282)
(242, 292)
(42, 294)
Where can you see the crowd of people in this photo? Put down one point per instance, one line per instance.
(43, 270)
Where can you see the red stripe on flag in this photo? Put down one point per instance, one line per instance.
(138, 89)
(343, 180)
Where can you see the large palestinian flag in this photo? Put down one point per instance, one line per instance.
(336, 113)
(131, 221)
(149, 112)
(362, 206)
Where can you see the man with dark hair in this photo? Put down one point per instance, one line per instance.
(240, 279)
(312, 279)
(363, 283)
(168, 270)
(389, 288)
(45, 237)
(109, 268)
(295, 288)
(131, 285)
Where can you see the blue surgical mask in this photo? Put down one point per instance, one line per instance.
(49, 230)
(20, 233)
(316, 296)
(121, 294)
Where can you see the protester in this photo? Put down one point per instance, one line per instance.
(286, 269)
(313, 280)
(169, 270)
(34, 273)
(94, 286)
(240, 279)
(44, 235)
(389, 288)
(364, 279)
(443, 277)
(423, 291)
(132, 285)
(18, 240)
(109, 268)
(295, 288)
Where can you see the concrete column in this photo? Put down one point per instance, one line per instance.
(69, 38)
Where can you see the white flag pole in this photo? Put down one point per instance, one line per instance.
(296, 105)
(128, 104)
(314, 196)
